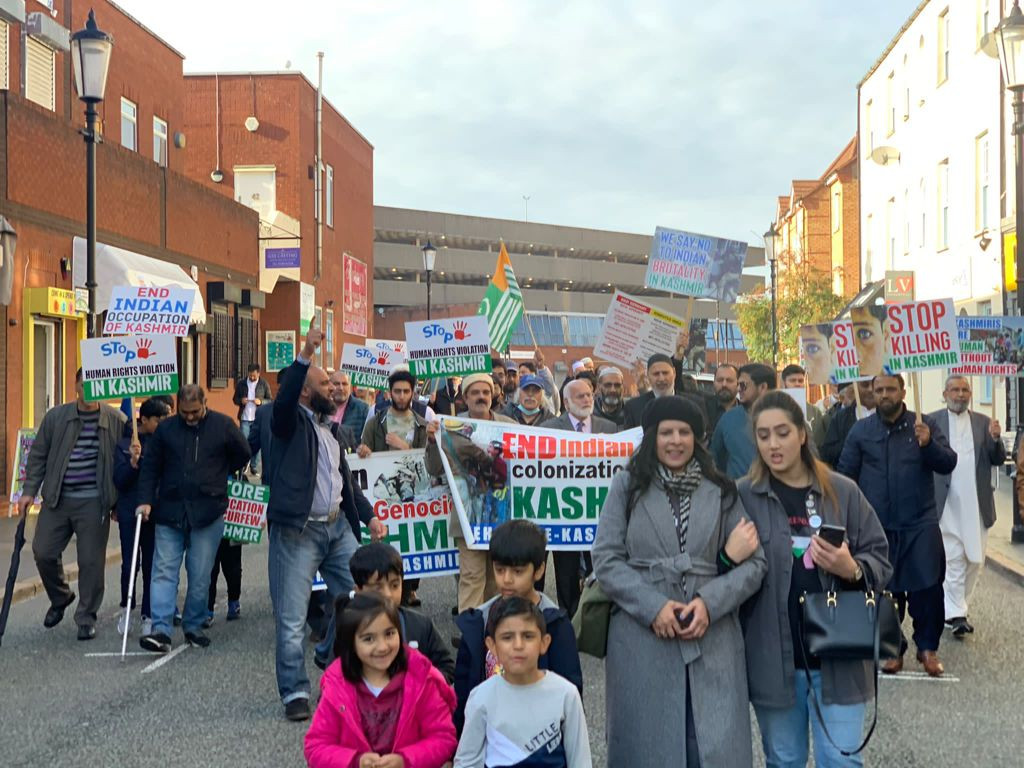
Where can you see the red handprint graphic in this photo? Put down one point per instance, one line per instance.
(460, 330)
(143, 349)
(382, 359)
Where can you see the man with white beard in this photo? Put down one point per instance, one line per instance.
(610, 404)
(572, 567)
(964, 499)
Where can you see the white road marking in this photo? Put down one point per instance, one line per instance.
(164, 659)
(118, 653)
(920, 676)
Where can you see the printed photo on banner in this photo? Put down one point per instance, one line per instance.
(129, 366)
(147, 310)
(557, 479)
(246, 515)
(25, 439)
(456, 346)
(695, 265)
(869, 340)
(990, 345)
(634, 330)
(695, 353)
(415, 507)
(369, 366)
(828, 353)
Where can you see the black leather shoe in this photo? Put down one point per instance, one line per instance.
(55, 615)
(155, 643)
(297, 710)
(197, 639)
(86, 632)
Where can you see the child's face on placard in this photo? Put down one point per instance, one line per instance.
(517, 580)
(518, 645)
(377, 644)
(388, 586)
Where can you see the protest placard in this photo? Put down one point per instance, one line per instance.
(634, 330)
(921, 335)
(246, 515)
(144, 310)
(25, 439)
(828, 353)
(695, 265)
(395, 345)
(129, 366)
(369, 366)
(454, 346)
(557, 479)
(415, 507)
(990, 345)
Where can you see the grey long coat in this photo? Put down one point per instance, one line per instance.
(642, 568)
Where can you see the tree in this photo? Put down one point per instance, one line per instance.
(804, 296)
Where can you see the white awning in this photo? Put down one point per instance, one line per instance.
(116, 266)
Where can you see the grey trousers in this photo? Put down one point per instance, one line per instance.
(91, 526)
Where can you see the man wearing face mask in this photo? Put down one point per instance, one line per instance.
(964, 499)
(572, 567)
(661, 375)
(183, 487)
(610, 404)
(530, 409)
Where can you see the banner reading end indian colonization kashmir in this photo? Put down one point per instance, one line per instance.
(557, 479)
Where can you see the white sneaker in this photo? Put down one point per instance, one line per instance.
(120, 623)
(147, 626)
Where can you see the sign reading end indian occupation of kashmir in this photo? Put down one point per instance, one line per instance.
(415, 507)
(634, 330)
(557, 479)
(990, 345)
(246, 515)
(129, 366)
(455, 346)
(369, 366)
(142, 310)
(695, 265)
(921, 335)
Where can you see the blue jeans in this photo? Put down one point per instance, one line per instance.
(784, 731)
(294, 558)
(254, 462)
(199, 548)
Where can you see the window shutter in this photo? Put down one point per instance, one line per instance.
(39, 85)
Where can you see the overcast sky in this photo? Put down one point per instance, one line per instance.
(608, 113)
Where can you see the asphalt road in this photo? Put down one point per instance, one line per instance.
(219, 706)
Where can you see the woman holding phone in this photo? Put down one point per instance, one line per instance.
(817, 529)
(675, 682)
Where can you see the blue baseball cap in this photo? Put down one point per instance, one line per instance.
(529, 380)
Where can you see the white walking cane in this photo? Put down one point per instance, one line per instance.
(131, 584)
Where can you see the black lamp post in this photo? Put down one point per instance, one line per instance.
(429, 254)
(769, 253)
(90, 53)
(1010, 39)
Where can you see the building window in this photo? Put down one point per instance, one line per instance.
(906, 87)
(942, 195)
(869, 129)
(248, 335)
(837, 208)
(329, 197)
(256, 187)
(890, 234)
(129, 125)
(981, 182)
(924, 211)
(890, 105)
(40, 61)
(906, 220)
(984, 22)
(868, 226)
(329, 339)
(160, 141)
(221, 347)
(943, 47)
(584, 330)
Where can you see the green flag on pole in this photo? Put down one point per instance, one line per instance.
(503, 302)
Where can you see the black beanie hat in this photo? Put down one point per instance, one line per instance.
(674, 408)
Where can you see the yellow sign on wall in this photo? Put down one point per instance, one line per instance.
(55, 302)
(1010, 261)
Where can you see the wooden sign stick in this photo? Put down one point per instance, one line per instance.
(916, 379)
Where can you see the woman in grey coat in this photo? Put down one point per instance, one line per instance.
(676, 683)
(789, 494)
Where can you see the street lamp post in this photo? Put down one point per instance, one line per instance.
(769, 253)
(90, 54)
(429, 254)
(1010, 39)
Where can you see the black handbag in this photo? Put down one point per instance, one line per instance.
(849, 626)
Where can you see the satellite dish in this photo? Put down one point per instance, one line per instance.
(252, 124)
(885, 155)
(989, 45)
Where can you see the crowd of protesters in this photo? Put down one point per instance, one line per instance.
(705, 545)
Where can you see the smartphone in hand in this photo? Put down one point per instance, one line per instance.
(684, 620)
(833, 534)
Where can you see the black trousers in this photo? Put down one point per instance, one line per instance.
(228, 562)
(570, 570)
(928, 612)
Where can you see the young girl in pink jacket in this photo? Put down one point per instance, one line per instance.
(382, 705)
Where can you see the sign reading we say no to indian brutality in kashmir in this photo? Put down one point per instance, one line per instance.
(695, 265)
(456, 346)
(246, 515)
(921, 335)
(129, 366)
(145, 310)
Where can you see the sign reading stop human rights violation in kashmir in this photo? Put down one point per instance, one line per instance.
(557, 479)
(129, 366)
(369, 366)
(990, 345)
(246, 515)
(144, 310)
(921, 335)
(456, 346)
(634, 330)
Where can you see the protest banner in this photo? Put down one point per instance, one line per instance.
(456, 346)
(25, 439)
(828, 353)
(695, 265)
(921, 335)
(394, 345)
(144, 310)
(990, 345)
(246, 515)
(415, 507)
(557, 479)
(129, 366)
(369, 366)
(634, 330)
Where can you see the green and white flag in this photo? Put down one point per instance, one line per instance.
(503, 302)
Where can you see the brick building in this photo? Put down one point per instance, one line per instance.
(154, 224)
(253, 138)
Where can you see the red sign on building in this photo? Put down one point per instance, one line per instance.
(354, 320)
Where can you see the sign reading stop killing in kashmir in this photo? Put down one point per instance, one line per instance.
(246, 515)
(695, 265)
(557, 479)
(129, 366)
(634, 330)
(369, 366)
(456, 346)
(990, 345)
(920, 335)
(828, 353)
(144, 310)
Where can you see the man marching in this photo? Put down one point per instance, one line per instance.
(964, 499)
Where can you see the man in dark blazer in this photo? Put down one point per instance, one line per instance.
(964, 499)
(661, 373)
(250, 393)
(572, 567)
